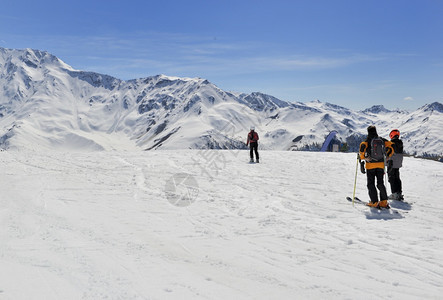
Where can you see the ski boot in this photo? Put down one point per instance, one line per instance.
(394, 196)
(372, 204)
(383, 204)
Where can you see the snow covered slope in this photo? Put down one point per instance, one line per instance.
(46, 104)
(100, 225)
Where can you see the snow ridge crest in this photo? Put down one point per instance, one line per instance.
(45, 103)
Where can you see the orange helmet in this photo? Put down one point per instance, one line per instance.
(394, 133)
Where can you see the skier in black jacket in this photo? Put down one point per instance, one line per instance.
(394, 164)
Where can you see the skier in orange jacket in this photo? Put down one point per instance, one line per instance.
(373, 152)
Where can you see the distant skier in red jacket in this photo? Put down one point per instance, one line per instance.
(253, 144)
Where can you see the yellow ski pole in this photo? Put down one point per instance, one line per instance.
(355, 180)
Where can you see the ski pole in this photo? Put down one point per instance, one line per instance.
(355, 181)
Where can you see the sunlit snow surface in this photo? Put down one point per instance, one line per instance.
(208, 225)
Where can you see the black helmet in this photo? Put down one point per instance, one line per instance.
(372, 130)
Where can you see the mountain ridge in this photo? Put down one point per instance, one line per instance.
(44, 103)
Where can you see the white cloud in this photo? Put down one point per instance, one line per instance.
(142, 54)
(176, 52)
(408, 99)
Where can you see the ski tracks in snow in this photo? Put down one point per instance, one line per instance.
(138, 180)
(98, 225)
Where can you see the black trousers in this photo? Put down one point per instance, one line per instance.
(253, 147)
(378, 174)
(394, 180)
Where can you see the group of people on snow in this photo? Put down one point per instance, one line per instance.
(374, 154)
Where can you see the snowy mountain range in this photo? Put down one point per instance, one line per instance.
(46, 104)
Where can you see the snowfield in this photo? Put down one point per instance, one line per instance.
(205, 224)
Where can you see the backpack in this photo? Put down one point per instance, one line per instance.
(253, 137)
(377, 150)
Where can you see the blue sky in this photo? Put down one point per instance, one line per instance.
(351, 53)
